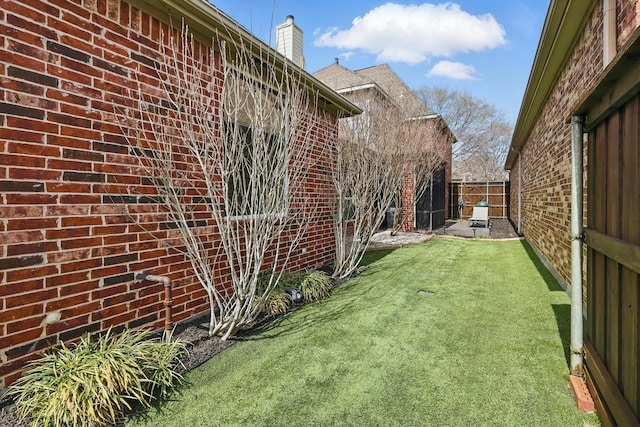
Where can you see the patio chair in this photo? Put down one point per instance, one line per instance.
(480, 216)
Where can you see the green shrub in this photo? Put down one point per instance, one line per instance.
(277, 303)
(279, 300)
(315, 285)
(290, 281)
(94, 382)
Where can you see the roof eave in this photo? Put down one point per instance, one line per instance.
(207, 20)
(563, 25)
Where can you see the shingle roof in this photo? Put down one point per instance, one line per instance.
(391, 83)
(339, 77)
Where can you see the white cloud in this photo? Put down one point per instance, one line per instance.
(346, 55)
(414, 33)
(453, 70)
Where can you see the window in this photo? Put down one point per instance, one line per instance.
(256, 170)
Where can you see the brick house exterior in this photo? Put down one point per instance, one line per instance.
(585, 67)
(539, 158)
(68, 251)
(378, 82)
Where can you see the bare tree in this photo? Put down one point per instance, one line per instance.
(426, 145)
(482, 131)
(365, 178)
(229, 166)
(376, 150)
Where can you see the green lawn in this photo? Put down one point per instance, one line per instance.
(488, 348)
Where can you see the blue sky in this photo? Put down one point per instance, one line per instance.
(483, 47)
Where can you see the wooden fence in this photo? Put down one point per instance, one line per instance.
(612, 330)
(463, 196)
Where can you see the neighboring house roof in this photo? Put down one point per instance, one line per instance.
(209, 21)
(386, 78)
(342, 80)
(338, 77)
(563, 24)
(382, 80)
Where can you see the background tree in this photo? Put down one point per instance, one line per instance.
(228, 167)
(426, 146)
(482, 131)
(368, 170)
(375, 152)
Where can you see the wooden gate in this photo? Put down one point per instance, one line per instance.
(465, 195)
(612, 330)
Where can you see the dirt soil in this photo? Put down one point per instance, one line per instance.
(501, 228)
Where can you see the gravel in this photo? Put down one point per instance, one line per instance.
(501, 228)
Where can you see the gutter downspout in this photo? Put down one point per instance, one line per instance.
(168, 320)
(577, 213)
(519, 193)
(609, 32)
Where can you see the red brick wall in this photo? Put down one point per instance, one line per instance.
(545, 160)
(67, 247)
(628, 14)
(407, 202)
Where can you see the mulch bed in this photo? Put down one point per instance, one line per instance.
(8, 417)
(502, 228)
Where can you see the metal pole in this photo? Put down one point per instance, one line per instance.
(577, 131)
(431, 204)
(487, 191)
(168, 301)
(520, 193)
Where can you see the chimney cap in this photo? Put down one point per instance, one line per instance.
(289, 19)
(337, 60)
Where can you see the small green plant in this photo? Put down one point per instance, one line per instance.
(277, 303)
(96, 381)
(291, 280)
(315, 285)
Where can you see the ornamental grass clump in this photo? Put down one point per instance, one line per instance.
(95, 382)
(316, 285)
(277, 303)
(308, 285)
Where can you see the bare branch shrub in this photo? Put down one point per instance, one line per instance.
(226, 140)
(377, 150)
(426, 144)
(370, 166)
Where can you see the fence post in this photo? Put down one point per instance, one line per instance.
(487, 197)
(504, 199)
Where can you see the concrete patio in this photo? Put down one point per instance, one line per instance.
(499, 228)
(462, 228)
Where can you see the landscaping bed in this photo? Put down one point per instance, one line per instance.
(455, 332)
